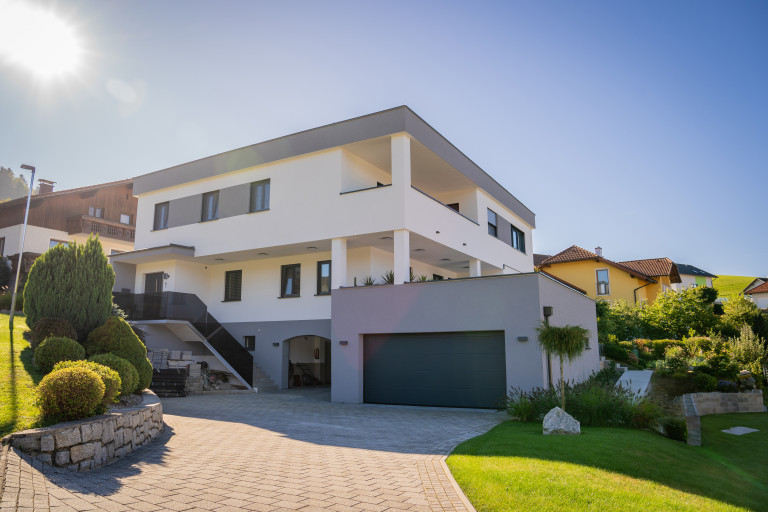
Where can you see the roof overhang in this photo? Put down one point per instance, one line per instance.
(165, 252)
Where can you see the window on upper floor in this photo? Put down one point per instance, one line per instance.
(233, 285)
(250, 342)
(492, 223)
(53, 243)
(94, 211)
(603, 286)
(290, 280)
(161, 216)
(324, 277)
(259, 196)
(210, 206)
(518, 239)
(125, 218)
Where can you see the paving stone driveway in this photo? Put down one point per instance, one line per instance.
(266, 452)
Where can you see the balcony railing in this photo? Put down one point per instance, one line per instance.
(187, 306)
(104, 228)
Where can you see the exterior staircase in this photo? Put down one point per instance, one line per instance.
(261, 381)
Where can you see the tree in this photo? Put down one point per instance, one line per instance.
(566, 342)
(72, 282)
(12, 186)
(674, 314)
(738, 311)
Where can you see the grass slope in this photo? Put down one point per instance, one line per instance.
(18, 378)
(515, 467)
(731, 286)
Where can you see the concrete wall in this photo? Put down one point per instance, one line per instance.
(512, 304)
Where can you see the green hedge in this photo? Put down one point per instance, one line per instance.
(69, 394)
(108, 376)
(129, 377)
(54, 350)
(116, 337)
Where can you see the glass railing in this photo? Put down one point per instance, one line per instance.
(189, 307)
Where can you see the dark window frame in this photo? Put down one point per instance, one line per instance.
(159, 207)
(320, 276)
(233, 285)
(205, 214)
(249, 342)
(517, 239)
(260, 191)
(295, 270)
(493, 226)
(2, 246)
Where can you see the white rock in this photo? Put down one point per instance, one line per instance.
(557, 422)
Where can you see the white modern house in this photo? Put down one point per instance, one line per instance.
(258, 258)
(692, 277)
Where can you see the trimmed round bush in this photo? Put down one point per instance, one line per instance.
(47, 327)
(117, 337)
(56, 349)
(70, 394)
(129, 377)
(108, 376)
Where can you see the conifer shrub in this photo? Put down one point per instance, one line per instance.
(70, 394)
(47, 327)
(129, 377)
(108, 376)
(55, 349)
(116, 337)
(72, 282)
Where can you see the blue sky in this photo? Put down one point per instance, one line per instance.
(641, 127)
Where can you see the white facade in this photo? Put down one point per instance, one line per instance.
(39, 239)
(689, 281)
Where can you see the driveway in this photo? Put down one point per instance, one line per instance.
(290, 450)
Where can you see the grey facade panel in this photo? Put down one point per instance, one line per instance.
(464, 369)
(504, 230)
(185, 210)
(387, 122)
(234, 200)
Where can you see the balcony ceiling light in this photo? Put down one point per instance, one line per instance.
(418, 250)
(219, 259)
(445, 259)
(311, 248)
(386, 238)
(263, 254)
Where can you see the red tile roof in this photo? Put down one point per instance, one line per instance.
(763, 288)
(655, 267)
(576, 253)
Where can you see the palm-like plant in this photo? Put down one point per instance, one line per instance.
(567, 342)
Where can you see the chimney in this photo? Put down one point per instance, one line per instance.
(46, 186)
(599, 251)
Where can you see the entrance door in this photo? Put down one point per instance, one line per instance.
(153, 295)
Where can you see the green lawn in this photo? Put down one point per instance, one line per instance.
(515, 467)
(730, 286)
(18, 378)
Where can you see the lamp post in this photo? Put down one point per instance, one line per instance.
(21, 245)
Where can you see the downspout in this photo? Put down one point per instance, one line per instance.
(634, 292)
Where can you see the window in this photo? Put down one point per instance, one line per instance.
(233, 285)
(602, 282)
(290, 280)
(518, 239)
(161, 216)
(2, 246)
(453, 206)
(323, 277)
(492, 230)
(250, 342)
(125, 218)
(259, 196)
(53, 243)
(437, 277)
(210, 206)
(115, 251)
(95, 212)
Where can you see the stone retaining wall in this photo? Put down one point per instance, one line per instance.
(93, 442)
(697, 405)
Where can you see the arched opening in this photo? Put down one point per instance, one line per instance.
(309, 361)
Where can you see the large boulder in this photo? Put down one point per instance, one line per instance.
(557, 422)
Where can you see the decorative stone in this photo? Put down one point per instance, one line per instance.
(68, 437)
(46, 443)
(44, 457)
(82, 451)
(27, 443)
(108, 432)
(559, 422)
(87, 432)
(62, 458)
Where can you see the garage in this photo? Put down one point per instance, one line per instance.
(454, 369)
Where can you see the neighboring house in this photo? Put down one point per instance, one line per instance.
(602, 278)
(755, 283)
(759, 295)
(663, 270)
(108, 209)
(255, 261)
(692, 277)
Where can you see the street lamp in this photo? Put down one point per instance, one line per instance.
(21, 244)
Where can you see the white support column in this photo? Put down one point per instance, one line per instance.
(475, 269)
(401, 162)
(402, 256)
(338, 263)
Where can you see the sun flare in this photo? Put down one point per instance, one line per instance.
(38, 40)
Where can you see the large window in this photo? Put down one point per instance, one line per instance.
(161, 216)
(290, 280)
(518, 239)
(94, 211)
(259, 196)
(492, 223)
(210, 206)
(603, 287)
(233, 285)
(323, 277)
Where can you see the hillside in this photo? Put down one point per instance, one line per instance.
(730, 286)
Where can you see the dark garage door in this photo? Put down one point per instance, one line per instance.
(454, 369)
